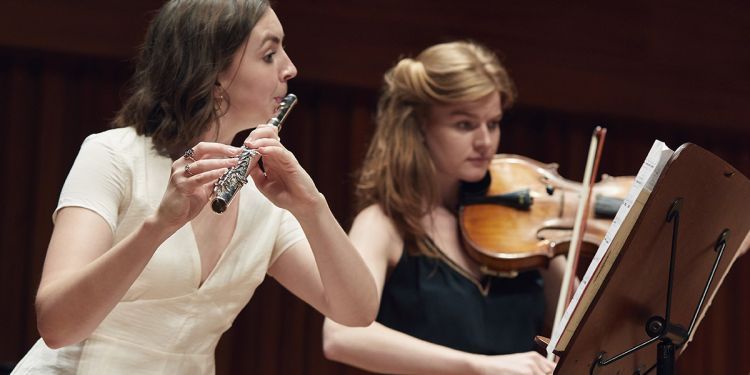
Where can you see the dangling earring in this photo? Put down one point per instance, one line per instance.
(219, 100)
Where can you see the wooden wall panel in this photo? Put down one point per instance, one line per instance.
(658, 61)
(57, 103)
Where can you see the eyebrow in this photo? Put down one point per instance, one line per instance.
(459, 112)
(270, 37)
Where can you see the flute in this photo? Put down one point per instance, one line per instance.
(235, 178)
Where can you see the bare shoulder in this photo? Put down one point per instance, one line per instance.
(374, 219)
(374, 232)
(374, 214)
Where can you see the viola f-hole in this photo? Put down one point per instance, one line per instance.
(235, 178)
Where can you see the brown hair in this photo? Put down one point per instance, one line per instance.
(398, 173)
(187, 45)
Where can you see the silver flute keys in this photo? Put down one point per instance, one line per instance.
(235, 178)
(285, 106)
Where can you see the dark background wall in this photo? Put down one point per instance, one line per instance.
(674, 71)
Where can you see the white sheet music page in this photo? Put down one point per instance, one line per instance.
(611, 244)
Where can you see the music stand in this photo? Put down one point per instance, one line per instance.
(669, 268)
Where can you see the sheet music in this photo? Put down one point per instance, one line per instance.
(617, 233)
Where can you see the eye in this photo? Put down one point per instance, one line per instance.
(269, 57)
(465, 125)
(494, 124)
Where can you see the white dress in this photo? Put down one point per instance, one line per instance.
(167, 323)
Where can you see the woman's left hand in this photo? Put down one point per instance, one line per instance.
(285, 183)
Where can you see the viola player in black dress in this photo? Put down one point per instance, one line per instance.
(438, 125)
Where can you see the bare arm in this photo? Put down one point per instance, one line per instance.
(85, 276)
(83, 279)
(381, 349)
(325, 271)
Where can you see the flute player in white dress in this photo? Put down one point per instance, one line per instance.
(141, 276)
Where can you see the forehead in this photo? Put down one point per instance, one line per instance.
(486, 107)
(267, 29)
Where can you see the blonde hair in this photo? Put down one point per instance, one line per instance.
(398, 173)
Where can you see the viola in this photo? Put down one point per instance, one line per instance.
(522, 214)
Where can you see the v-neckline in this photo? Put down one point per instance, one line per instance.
(198, 261)
(483, 289)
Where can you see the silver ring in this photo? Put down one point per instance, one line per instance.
(187, 170)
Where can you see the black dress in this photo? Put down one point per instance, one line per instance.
(431, 298)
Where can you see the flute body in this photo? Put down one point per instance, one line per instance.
(235, 178)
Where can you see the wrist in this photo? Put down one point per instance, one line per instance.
(311, 209)
(153, 226)
(471, 363)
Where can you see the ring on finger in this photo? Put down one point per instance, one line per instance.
(189, 154)
(187, 170)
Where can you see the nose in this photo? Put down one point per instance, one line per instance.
(289, 71)
(483, 137)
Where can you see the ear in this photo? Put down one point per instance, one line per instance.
(219, 91)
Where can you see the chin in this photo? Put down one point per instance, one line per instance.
(474, 177)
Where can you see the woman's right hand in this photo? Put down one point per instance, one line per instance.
(519, 363)
(192, 181)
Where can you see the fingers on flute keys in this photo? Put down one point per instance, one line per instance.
(208, 156)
